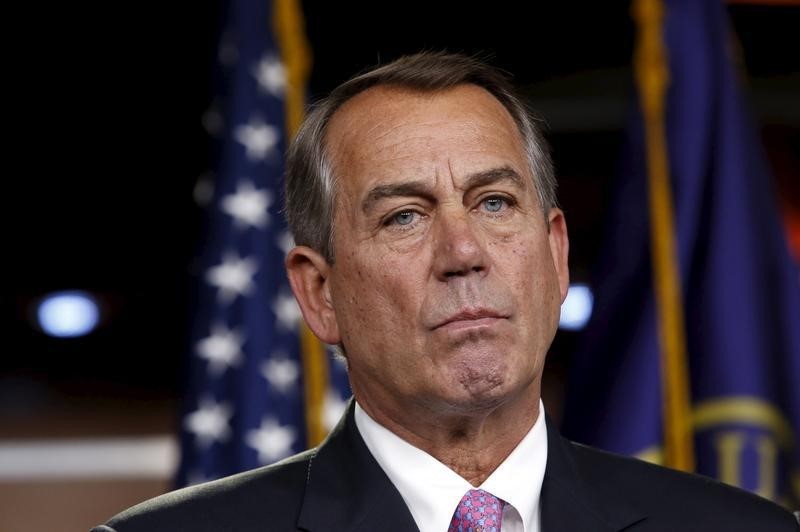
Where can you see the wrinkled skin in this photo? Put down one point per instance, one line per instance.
(448, 277)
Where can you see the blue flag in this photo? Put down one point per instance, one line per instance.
(245, 396)
(740, 290)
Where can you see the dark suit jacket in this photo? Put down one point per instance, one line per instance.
(339, 487)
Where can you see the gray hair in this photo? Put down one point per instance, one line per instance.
(310, 180)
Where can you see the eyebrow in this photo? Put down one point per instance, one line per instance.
(409, 188)
(493, 175)
(424, 189)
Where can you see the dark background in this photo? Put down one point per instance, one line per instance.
(105, 147)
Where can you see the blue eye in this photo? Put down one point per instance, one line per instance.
(494, 204)
(403, 217)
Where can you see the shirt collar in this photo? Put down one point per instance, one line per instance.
(518, 479)
(431, 490)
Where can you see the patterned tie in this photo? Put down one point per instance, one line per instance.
(478, 511)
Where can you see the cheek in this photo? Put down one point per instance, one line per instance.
(524, 261)
(536, 282)
(376, 295)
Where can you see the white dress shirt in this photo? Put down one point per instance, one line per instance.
(432, 491)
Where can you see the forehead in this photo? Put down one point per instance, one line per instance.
(388, 132)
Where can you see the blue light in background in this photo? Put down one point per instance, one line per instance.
(68, 314)
(577, 308)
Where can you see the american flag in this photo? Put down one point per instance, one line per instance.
(245, 392)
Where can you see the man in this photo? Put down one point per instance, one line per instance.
(431, 250)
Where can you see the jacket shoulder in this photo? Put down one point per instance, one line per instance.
(242, 502)
(674, 498)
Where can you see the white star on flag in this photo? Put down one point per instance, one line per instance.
(258, 139)
(209, 423)
(332, 409)
(271, 75)
(285, 241)
(248, 206)
(223, 349)
(234, 277)
(286, 310)
(281, 372)
(272, 440)
(244, 349)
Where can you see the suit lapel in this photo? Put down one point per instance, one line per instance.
(571, 504)
(346, 489)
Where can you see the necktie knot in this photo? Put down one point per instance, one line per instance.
(478, 511)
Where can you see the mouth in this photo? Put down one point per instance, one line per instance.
(470, 318)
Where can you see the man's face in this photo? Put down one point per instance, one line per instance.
(446, 283)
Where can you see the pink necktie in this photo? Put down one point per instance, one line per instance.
(478, 511)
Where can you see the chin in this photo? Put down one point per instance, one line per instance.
(479, 387)
(482, 374)
(470, 405)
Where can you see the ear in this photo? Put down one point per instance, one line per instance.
(308, 276)
(559, 248)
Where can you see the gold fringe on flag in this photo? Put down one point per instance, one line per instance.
(289, 29)
(652, 76)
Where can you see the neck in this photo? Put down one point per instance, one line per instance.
(472, 445)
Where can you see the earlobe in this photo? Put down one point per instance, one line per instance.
(308, 276)
(559, 248)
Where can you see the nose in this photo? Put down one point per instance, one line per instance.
(459, 249)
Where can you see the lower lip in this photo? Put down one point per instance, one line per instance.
(463, 325)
